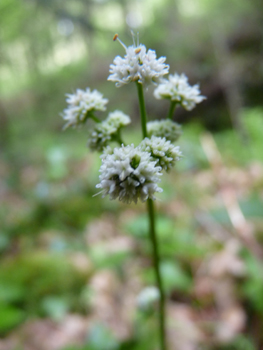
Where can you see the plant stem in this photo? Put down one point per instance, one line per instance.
(92, 116)
(156, 262)
(152, 233)
(142, 109)
(171, 110)
(118, 138)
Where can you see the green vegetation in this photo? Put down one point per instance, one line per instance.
(73, 263)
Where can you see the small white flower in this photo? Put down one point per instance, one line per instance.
(164, 128)
(177, 89)
(101, 135)
(129, 174)
(106, 150)
(147, 298)
(108, 130)
(81, 104)
(118, 119)
(161, 150)
(137, 65)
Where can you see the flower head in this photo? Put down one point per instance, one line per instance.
(81, 104)
(129, 174)
(137, 65)
(107, 130)
(118, 119)
(101, 135)
(161, 150)
(106, 150)
(177, 89)
(164, 128)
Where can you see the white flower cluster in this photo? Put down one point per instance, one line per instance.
(164, 128)
(177, 89)
(101, 135)
(118, 119)
(106, 150)
(107, 130)
(129, 174)
(81, 104)
(147, 298)
(161, 150)
(138, 65)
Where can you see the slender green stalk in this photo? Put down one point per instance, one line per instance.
(171, 110)
(92, 116)
(156, 262)
(142, 109)
(152, 233)
(119, 138)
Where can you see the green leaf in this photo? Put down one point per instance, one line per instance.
(11, 292)
(138, 227)
(100, 338)
(174, 277)
(55, 307)
(10, 317)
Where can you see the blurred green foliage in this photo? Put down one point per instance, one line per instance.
(39, 283)
(48, 178)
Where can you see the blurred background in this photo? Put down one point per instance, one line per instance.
(72, 265)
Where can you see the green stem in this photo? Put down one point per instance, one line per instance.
(171, 110)
(156, 262)
(92, 116)
(152, 233)
(118, 138)
(142, 109)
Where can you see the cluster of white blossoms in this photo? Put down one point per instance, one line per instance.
(81, 104)
(177, 89)
(129, 174)
(137, 65)
(118, 119)
(101, 135)
(164, 128)
(107, 131)
(161, 150)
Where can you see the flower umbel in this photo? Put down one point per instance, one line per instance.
(108, 130)
(101, 135)
(137, 65)
(129, 174)
(81, 105)
(178, 90)
(164, 128)
(161, 150)
(118, 119)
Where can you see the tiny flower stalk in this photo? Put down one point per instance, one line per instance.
(171, 110)
(142, 110)
(128, 173)
(93, 117)
(118, 138)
